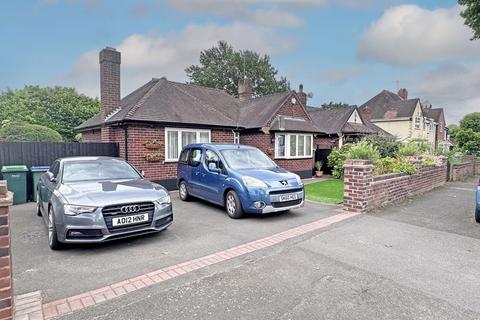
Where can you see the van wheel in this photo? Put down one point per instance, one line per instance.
(53, 242)
(477, 215)
(233, 205)
(183, 192)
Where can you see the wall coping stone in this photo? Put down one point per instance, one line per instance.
(358, 163)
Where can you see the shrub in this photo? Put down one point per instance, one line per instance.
(363, 151)
(392, 165)
(429, 161)
(336, 159)
(22, 131)
(410, 150)
(387, 146)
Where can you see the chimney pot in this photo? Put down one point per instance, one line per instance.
(403, 93)
(302, 96)
(110, 60)
(245, 89)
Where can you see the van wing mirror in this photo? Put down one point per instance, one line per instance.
(212, 166)
(51, 177)
(142, 173)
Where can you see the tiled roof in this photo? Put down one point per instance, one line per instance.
(335, 120)
(433, 113)
(165, 101)
(388, 105)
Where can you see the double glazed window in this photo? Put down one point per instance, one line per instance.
(176, 139)
(291, 146)
(418, 121)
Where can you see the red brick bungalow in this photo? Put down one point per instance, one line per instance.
(154, 122)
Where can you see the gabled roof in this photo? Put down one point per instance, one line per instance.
(335, 121)
(388, 105)
(433, 113)
(163, 101)
(255, 113)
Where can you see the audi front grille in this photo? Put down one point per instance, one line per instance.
(115, 211)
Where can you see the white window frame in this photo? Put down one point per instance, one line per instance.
(180, 146)
(418, 124)
(236, 137)
(308, 153)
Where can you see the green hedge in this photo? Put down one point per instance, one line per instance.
(21, 131)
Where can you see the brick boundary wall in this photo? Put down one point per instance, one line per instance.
(364, 191)
(6, 288)
(466, 169)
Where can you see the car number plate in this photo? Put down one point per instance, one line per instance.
(122, 221)
(288, 197)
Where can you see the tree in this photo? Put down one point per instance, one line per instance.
(471, 14)
(60, 109)
(21, 131)
(467, 135)
(453, 129)
(222, 67)
(471, 121)
(332, 105)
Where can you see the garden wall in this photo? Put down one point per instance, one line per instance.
(364, 191)
(461, 171)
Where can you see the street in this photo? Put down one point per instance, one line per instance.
(417, 259)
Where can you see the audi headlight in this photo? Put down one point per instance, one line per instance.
(253, 182)
(73, 210)
(299, 180)
(164, 200)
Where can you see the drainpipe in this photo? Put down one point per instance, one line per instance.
(125, 132)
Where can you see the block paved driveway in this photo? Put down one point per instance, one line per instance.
(416, 260)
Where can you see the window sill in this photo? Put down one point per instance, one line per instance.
(170, 161)
(294, 158)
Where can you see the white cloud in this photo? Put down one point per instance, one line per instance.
(453, 86)
(341, 74)
(147, 56)
(409, 34)
(271, 13)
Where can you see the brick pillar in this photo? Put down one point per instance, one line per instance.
(6, 289)
(358, 180)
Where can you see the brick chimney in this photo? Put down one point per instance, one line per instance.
(302, 95)
(109, 80)
(403, 93)
(245, 89)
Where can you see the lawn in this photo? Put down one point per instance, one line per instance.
(327, 191)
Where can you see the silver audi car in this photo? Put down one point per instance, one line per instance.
(95, 199)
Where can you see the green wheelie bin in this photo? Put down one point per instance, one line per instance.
(16, 177)
(37, 172)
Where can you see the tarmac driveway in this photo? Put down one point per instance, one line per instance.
(415, 260)
(198, 229)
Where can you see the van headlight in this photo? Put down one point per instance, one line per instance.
(299, 180)
(164, 200)
(253, 182)
(73, 210)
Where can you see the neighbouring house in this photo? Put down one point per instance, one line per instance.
(336, 127)
(154, 122)
(407, 119)
(442, 137)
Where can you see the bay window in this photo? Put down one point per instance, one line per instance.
(176, 139)
(293, 146)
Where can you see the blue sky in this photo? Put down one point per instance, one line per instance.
(341, 50)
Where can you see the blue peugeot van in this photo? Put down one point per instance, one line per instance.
(240, 178)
